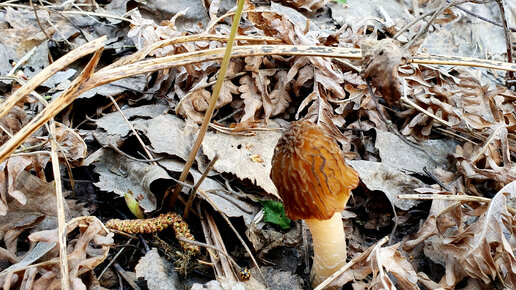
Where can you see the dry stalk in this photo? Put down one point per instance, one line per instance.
(61, 220)
(49, 71)
(149, 155)
(211, 106)
(214, 205)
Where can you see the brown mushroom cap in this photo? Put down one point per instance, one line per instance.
(310, 174)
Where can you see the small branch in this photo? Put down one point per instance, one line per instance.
(438, 11)
(132, 128)
(431, 175)
(193, 193)
(513, 29)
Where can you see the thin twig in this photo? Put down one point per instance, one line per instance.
(21, 62)
(207, 246)
(126, 276)
(236, 233)
(453, 134)
(115, 257)
(193, 193)
(513, 29)
(461, 198)
(131, 157)
(411, 23)
(132, 128)
(438, 11)
(431, 175)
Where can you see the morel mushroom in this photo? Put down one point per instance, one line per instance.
(314, 182)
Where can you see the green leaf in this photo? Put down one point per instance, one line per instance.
(274, 213)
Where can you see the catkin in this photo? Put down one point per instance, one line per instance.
(157, 224)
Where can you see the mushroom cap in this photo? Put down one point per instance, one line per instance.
(310, 174)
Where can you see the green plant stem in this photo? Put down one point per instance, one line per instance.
(211, 108)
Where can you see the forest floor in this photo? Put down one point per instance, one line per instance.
(101, 113)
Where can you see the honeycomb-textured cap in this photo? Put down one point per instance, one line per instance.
(310, 174)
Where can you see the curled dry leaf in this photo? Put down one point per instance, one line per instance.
(381, 60)
(265, 239)
(12, 123)
(71, 145)
(13, 176)
(86, 250)
(483, 250)
(489, 161)
(388, 260)
(157, 271)
(120, 174)
(470, 243)
(381, 262)
(310, 5)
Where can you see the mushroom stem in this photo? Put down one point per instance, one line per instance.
(329, 242)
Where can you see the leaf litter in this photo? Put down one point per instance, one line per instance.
(426, 129)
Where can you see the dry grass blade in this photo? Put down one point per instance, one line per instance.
(61, 226)
(211, 107)
(49, 71)
(52, 109)
(236, 233)
(112, 73)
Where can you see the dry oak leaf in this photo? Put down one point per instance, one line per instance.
(381, 261)
(252, 102)
(484, 250)
(86, 249)
(391, 260)
(488, 161)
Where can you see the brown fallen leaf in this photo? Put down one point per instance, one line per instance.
(87, 249)
(309, 5)
(484, 250)
(382, 262)
(381, 60)
(252, 102)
